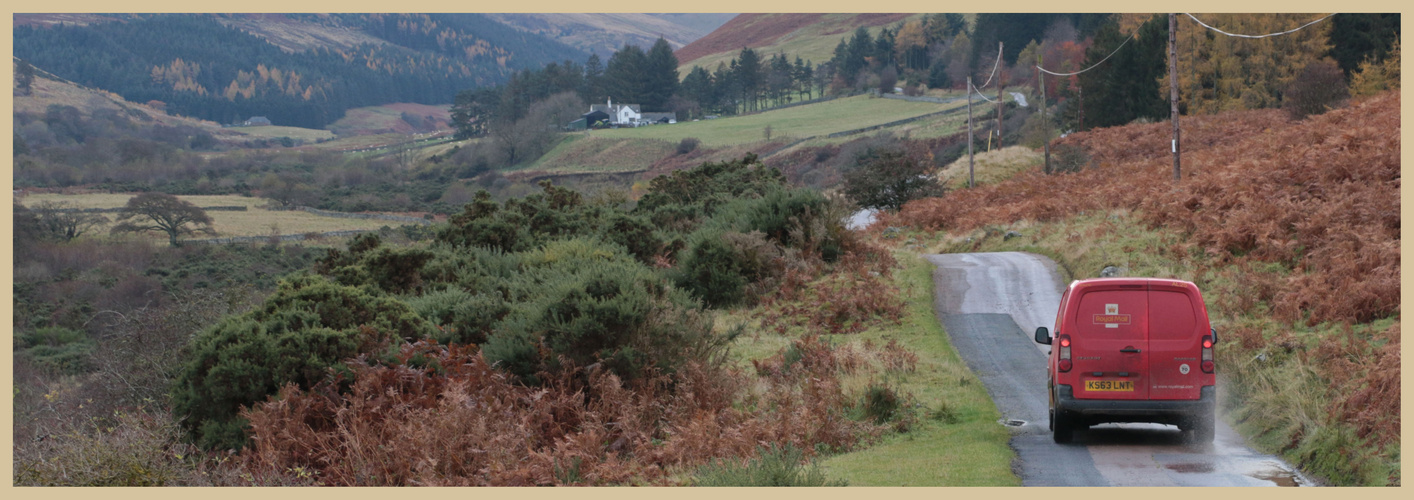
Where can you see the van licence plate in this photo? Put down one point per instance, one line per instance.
(1109, 385)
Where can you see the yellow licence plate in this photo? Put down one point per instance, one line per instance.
(1109, 385)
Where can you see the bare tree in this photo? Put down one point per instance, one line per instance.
(61, 222)
(163, 212)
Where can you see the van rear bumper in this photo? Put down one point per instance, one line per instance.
(1095, 411)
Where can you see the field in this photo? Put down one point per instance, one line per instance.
(389, 118)
(256, 221)
(798, 122)
(580, 153)
(276, 131)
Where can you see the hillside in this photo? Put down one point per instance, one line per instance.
(1291, 228)
(603, 34)
(810, 36)
(298, 69)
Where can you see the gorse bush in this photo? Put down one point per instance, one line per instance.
(57, 349)
(307, 327)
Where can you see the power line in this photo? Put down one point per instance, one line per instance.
(1257, 36)
(979, 93)
(1102, 61)
(994, 70)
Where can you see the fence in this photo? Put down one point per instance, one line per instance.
(347, 215)
(241, 208)
(283, 237)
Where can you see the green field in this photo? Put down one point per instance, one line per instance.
(256, 221)
(798, 122)
(275, 131)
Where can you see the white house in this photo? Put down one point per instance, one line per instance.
(630, 115)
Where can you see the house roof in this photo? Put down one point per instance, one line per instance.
(614, 109)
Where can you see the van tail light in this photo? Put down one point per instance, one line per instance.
(1064, 364)
(1207, 354)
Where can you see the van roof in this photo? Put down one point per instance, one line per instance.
(1146, 283)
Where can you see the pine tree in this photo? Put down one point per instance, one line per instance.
(662, 77)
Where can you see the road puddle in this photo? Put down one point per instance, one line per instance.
(1276, 474)
(1191, 468)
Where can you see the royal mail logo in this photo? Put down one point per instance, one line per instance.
(1112, 318)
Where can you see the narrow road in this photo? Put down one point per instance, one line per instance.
(990, 303)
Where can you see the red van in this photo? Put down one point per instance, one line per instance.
(1131, 350)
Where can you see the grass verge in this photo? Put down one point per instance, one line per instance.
(952, 439)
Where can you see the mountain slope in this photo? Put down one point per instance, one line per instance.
(605, 33)
(297, 69)
(811, 36)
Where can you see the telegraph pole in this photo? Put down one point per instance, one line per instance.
(1173, 90)
(969, 132)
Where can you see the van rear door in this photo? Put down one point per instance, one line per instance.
(1175, 343)
(1110, 344)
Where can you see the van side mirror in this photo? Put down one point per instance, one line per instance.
(1215, 335)
(1043, 336)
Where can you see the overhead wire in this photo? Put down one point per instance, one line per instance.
(1102, 61)
(994, 70)
(1205, 25)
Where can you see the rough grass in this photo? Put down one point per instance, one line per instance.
(256, 221)
(598, 154)
(991, 167)
(952, 437)
(388, 118)
(956, 440)
(798, 122)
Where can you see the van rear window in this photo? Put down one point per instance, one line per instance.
(1172, 316)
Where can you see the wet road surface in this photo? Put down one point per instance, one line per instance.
(990, 303)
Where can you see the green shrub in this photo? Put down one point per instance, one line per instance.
(712, 271)
(881, 403)
(307, 327)
(885, 179)
(462, 317)
(701, 189)
(589, 302)
(57, 349)
(773, 467)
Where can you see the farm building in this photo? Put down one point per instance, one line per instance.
(628, 115)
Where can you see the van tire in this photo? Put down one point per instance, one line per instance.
(1201, 429)
(1063, 430)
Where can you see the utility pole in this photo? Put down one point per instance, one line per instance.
(969, 133)
(1000, 73)
(1173, 90)
(1046, 131)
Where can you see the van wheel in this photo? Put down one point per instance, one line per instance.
(1063, 430)
(1201, 429)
